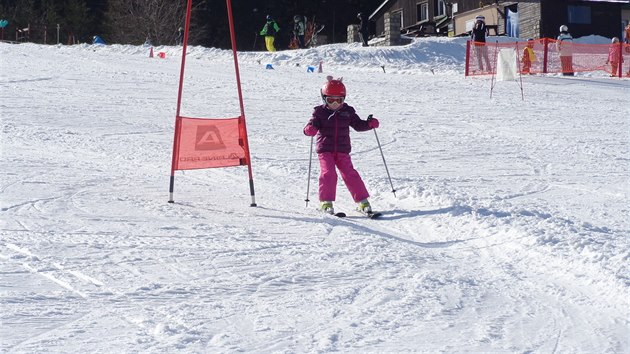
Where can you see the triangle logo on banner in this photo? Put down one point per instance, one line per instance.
(208, 138)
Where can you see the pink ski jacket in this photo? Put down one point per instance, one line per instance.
(334, 128)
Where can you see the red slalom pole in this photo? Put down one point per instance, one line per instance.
(240, 101)
(178, 118)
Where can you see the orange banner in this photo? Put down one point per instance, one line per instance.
(208, 143)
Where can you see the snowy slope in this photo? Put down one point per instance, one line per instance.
(508, 232)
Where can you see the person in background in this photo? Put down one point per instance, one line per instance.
(478, 36)
(331, 122)
(299, 30)
(528, 56)
(613, 57)
(180, 36)
(269, 31)
(564, 46)
(364, 29)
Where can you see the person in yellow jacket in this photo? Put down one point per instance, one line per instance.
(269, 31)
(528, 56)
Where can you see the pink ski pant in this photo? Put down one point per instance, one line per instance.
(328, 177)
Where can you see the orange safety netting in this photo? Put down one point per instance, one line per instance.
(547, 55)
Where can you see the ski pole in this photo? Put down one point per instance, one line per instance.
(308, 181)
(384, 163)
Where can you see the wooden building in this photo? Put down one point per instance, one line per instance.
(529, 18)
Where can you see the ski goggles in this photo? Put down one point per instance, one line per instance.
(333, 99)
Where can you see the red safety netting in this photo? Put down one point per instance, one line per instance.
(208, 143)
(547, 55)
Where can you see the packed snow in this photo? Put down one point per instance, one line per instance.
(508, 230)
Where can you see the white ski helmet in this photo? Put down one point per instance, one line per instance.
(564, 28)
(615, 40)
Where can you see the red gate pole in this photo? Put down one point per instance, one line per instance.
(240, 101)
(620, 59)
(178, 118)
(546, 54)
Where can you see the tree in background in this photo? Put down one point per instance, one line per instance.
(43, 16)
(20, 14)
(76, 20)
(133, 21)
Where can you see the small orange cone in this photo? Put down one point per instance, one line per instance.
(151, 53)
(320, 68)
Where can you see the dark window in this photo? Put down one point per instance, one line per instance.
(422, 11)
(440, 7)
(580, 14)
(400, 14)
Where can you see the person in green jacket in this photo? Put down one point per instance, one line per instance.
(269, 31)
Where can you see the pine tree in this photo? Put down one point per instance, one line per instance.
(76, 21)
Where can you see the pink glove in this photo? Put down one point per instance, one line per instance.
(310, 130)
(373, 123)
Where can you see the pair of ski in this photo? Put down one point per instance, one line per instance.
(370, 215)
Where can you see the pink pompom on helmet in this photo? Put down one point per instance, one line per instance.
(334, 88)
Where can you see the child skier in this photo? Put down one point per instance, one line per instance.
(332, 120)
(528, 56)
(613, 56)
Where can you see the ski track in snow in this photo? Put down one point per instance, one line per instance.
(508, 232)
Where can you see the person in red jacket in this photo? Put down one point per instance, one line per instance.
(613, 56)
(331, 122)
